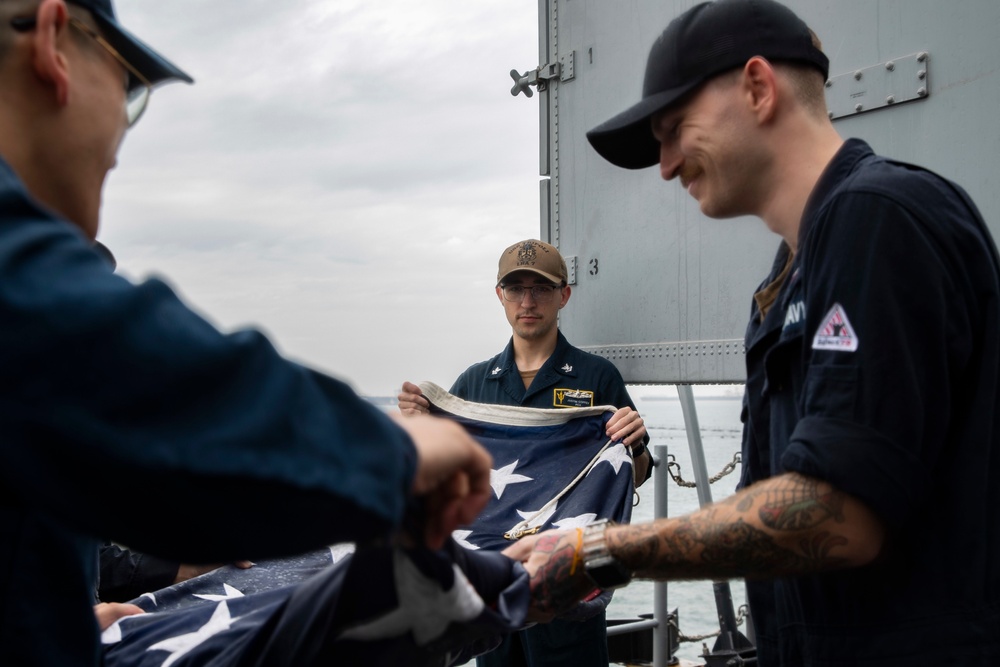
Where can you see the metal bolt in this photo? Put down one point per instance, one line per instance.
(921, 92)
(829, 83)
(890, 65)
(858, 107)
(890, 100)
(857, 75)
(922, 56)
(830, 114)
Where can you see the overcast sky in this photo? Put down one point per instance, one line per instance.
(343, 175)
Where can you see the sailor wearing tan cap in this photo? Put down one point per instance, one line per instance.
(540, 369)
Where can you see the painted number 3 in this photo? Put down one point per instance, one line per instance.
(594, 268)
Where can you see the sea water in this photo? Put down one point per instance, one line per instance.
(721, 431)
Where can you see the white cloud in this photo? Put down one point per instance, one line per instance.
(343, 175)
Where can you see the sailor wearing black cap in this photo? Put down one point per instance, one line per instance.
(868, 520)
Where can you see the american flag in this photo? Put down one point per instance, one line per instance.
(552, 468)
(386, 605)
(379, 605)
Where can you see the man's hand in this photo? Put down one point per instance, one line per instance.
(109, 612)
(453, 474)
(554, 562)
(626, 425)
(411, 400)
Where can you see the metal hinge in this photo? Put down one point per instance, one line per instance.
(539, 77)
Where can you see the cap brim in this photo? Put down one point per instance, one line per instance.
(548, 276)
(150, 64)
(627, 139)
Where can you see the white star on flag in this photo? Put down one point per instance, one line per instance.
(539, 520)
(499, 479)
(575, 521)
(230, 593)
(113, 634)
(460, 537)
(615, 455)
(424, 609)
(182, 644)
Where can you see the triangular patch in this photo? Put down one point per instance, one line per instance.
(836, 332)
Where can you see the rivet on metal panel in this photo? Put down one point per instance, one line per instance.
(829, 83)
(571, 269)
(568, 62)
(873, 87)
(921, 92)
(830, 114)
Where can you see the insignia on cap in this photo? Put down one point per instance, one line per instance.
(527, 254)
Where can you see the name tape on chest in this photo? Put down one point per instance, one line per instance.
(572, 398)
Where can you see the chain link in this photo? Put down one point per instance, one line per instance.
(741, 615)
(674, 469)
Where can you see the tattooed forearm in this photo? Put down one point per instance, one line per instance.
(795, 502)
(557, 583)
(789, 525)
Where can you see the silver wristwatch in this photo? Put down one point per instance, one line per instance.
(602, 568)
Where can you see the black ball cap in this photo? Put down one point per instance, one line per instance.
(707, 40)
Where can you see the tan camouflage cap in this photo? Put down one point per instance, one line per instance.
(535, 256)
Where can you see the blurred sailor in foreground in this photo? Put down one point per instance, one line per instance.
(107, 383)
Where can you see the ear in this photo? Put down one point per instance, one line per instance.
(760, 88)
(566, 292)
(50, 62)
(500, 294)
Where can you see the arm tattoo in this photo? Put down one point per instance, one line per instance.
(773, 529)
(797, 503)
(553, 589)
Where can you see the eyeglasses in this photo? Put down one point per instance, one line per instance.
(539, 293)
(137, 87)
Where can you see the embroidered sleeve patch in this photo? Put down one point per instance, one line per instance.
(572, 398)
(836, 332)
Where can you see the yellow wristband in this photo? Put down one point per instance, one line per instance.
(576, 553)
